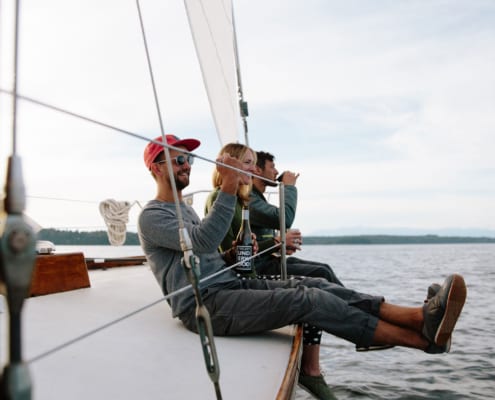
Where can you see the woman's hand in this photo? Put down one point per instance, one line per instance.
(230, 177)
(255, 244)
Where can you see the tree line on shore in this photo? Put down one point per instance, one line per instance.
(68, 237)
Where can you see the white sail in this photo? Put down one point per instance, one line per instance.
(212, 30)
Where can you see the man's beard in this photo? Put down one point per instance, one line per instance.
(179, 184)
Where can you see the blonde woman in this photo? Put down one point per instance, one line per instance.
(248, 160)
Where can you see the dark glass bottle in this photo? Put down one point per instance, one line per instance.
(244, 246)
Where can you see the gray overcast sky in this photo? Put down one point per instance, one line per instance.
(386, 108)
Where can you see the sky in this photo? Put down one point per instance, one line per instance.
(385, 108)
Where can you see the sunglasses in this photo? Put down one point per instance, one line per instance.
(180, 160)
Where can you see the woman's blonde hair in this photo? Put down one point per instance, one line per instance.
(236, 150)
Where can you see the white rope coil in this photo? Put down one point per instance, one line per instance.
(116, 215)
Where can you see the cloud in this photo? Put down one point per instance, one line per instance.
(386, 108)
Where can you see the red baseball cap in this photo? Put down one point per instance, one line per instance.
(152, 149)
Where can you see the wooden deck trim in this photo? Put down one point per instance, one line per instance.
(112, 262)
(55, 273)
(288, 386)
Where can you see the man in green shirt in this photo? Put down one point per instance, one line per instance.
(264, 219)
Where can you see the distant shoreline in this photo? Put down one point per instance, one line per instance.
(394, 239)
(74, 238)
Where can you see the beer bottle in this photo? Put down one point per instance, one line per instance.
(244, 246)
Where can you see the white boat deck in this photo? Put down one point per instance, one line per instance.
(147, 356)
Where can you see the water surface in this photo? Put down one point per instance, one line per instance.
(402, 274)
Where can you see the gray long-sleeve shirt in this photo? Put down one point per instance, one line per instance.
(158, 229)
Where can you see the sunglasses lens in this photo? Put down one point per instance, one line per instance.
(181, 160)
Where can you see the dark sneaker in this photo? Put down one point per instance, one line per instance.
(316, 386)
(375, 347)
(436, 349)
(433, 348)
(432, 291)
(442, 311)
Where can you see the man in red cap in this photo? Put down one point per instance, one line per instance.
(251, 306)
(154, 157)
(153, 149)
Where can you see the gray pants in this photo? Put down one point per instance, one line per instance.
(297, 267)
(254, 306)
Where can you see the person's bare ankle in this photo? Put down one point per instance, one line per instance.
(419, 320)
(310, 371)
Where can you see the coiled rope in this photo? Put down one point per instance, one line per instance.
(116, 216)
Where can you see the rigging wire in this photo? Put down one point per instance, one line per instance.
(243, 106)
(17, 253)
(62, 199)
(129, 133)
(14, 86)
(190, 261)
(72, 114)
(160, 120)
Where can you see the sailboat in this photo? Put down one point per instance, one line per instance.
(116, 338)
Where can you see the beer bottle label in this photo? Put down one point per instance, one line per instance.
(243, 254)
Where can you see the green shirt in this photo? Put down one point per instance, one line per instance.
(235, 225)
(265, 217)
